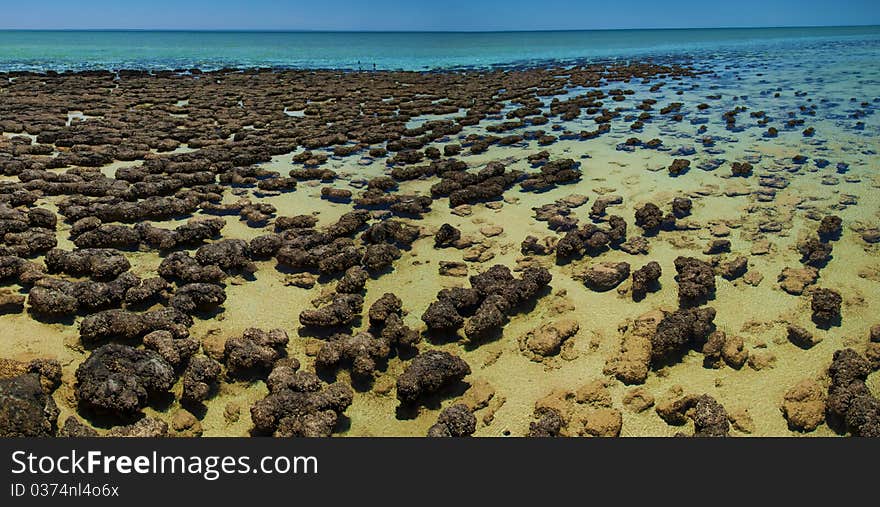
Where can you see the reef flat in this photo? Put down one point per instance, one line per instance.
(617, 249)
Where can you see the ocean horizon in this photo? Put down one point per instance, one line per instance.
(106, 49)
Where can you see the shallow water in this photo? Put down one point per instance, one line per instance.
(837, 72)
(62, 50)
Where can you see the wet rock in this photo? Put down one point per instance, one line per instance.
(454, 421)
(734, 269)
(814, 252)
(126, 325)
(100, 264)
(549, 424)
(360, 352)
(645, 279)
(849, 401)
(681, 207)
(679, 331)
(74, 428)
(198, 297)
(193, 233)
(830, 228)
(712, 349)
(381, 256)
(446, 236)
(227, 254)
(441, 315)
(679, 166)
(354, 281)
(709, 417)
(801, 337)
(696, 280)
(176, 351)
(825, 304)
(429, 372)
(265, 246)
(148, 292)
(301, 411)
(649, 217)
(199, 379)
(179, 266)
(26, 410)
(121, 380)
(342, 310)
(606, 275)
(255, 351)
(109, 236)
(385, 306)
(398, 334)
(531, 245)
(489, 317)
(742, 169)
(336, 194)
(717, 246)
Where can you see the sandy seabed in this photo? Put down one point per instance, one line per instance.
(535, 170)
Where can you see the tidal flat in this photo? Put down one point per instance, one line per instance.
(626, 248)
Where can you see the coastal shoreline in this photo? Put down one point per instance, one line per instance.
(323, 191)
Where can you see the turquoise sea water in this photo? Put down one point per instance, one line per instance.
(66, 50)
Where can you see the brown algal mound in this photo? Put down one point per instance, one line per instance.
(494, 295)
(299, 405)
(850, 404)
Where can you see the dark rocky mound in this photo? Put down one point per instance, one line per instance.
(850, 403)
(361, 353)
(494, 295)
(428, 373)
(649, 218)
(814, 252)
(830, 228)
(454, 421)
(446, 236)
(341, 311)
(645, 279)
(100, 264)
(199, 380)
(300, 405)
(825, 304)
(696, 281)
(709, 417)
(549, 424)
(255, 351)
(606, 275)
(553, 173)
(680, 331)
(26, 409)
(126, 325)
(120, 380)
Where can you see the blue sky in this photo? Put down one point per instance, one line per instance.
(432, 15)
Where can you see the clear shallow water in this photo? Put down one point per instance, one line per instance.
(66, 50)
